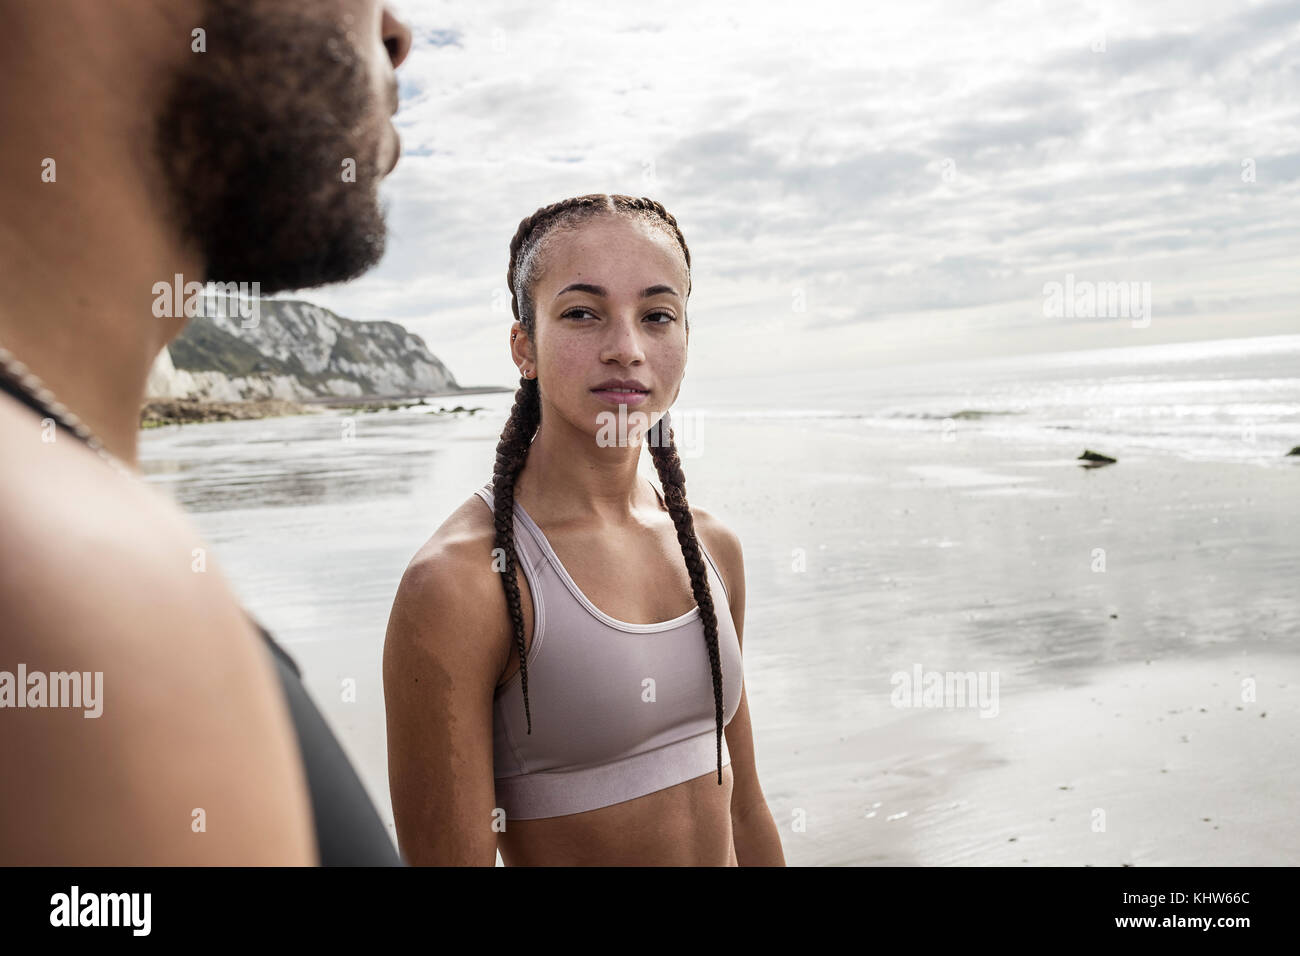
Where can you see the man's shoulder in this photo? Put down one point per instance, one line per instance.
(103, 576)
(58, 499)
(88, 546)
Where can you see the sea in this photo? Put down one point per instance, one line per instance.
(1227, 399)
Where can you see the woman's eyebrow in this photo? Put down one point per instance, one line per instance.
(600, 290)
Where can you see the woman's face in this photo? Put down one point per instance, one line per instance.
(594, 321)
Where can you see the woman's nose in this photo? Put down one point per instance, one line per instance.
(624, 344)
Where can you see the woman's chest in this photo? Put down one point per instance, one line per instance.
(641, 578)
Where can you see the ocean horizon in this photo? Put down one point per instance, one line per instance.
(1222, 399)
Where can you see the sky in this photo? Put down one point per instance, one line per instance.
(859, 185)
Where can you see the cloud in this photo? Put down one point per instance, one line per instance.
(905, 161)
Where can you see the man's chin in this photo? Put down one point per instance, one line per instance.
(396, 149)
(304, 251)
(270, 177)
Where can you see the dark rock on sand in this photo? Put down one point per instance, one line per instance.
(1095, 459)
(180, 411)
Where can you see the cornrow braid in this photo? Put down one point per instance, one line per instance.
(526, 250)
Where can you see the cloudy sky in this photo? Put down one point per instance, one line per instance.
(858, 185)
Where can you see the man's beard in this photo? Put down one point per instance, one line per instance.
(252, 138)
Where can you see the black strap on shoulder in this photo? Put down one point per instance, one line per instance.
(10, 387)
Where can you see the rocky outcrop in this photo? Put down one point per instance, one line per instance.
(294, 350)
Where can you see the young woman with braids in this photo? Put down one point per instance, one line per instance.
(564, 654)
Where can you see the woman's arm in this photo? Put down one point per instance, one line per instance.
(440, 667)
(754, 833)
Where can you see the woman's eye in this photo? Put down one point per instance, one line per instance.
(576, 313)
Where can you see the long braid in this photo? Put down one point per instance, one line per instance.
(525, 417)
(663, 450)
(512, 450)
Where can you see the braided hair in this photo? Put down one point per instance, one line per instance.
(526, 250)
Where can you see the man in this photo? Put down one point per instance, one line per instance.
(210, 139)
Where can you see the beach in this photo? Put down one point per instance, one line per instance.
(1120, 690)
(1120, 608)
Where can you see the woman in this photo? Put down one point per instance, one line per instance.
(550, 691)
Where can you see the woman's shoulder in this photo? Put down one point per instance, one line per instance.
(463, 540)
(714, 529)
(723, 545)
(452, 578)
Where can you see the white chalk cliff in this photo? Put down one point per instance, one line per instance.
(294, 350)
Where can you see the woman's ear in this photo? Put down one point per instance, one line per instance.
(520, 346)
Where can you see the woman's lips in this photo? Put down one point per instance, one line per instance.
(616, 397)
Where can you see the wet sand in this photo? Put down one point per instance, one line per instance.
(1121, 734)
(871, 552)
(1159, 764)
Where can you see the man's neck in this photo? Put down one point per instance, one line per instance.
(84, 324)
(83, 242)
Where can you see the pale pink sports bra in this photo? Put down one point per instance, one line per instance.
(619, 710)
